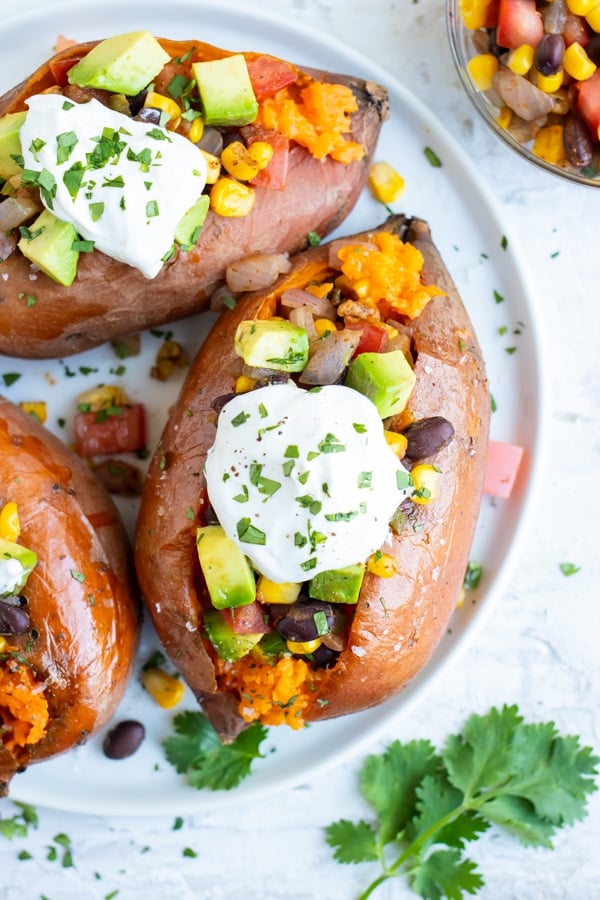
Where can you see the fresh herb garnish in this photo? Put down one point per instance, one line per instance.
(249, 533)
(568, 568)
(526, 778)
(197, 752)
(19, 824)
(432, 158)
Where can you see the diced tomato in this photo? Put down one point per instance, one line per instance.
(588, 102)
(491, 14)
(100, 433)
(502, 466)
(269, 75)
(250, 619)
(372, 339)
(60, 68)
(274, 175)
(519, 22)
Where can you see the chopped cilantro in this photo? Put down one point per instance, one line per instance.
(569, 568)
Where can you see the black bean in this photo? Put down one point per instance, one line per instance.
(13, 619)
(578, 142)
(592, 48)
(427, 437)
(303, 621)
(549, 54)
(136, 103)
(124, 739)
(323, 657)
(149, 115)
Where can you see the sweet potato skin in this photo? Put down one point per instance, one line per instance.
(110, 299)
(82, 598)
(399, 621)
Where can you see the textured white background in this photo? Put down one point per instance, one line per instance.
(540, 648)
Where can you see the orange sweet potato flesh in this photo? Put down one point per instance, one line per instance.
(82, 598)
(110, 299)
(399, 621)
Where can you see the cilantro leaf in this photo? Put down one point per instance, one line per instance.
(197, 752)
(18, 825)
(389, 783)
(354, 842)
(446, 874)
(499, 771)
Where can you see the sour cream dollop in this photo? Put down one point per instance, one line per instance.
(303, 481)
(121, 183)
(11, 573)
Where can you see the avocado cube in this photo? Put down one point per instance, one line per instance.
(188, 229)
(272, 344)
(50, 246)
(385, 378)
(338, 585)
(225, 90)
(10, 143)
(228, 644)
(27, 558)
(123, 64)
(228, 574)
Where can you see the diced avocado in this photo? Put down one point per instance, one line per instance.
(186, 233)
(50, 246)
(228, 644)
(338, 585)
(272, 344)
(225, 90)
(27, 559)
(385, 378)
(123, 64)
(228, 574)
(10, 143)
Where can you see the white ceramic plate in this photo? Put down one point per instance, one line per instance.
(469, 233)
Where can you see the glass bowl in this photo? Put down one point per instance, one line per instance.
(463, 46)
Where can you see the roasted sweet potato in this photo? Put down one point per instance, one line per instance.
(68, 638)
(42, 318)
(410, 588)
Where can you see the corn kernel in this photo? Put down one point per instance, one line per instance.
(425, 478)
(165, 689)
(520, 60)
(10, 527)
(474, 13)
(397, 442)
(36, 409)
(577, 63)
(324, 326)
(101, 397)
(243, 384)
(237, 161)
(593, 17)
(213, 166)
(385, 182)
(505, 117)
(262, 152)
(482, 69)
(461, 598)
(382, 564)
(580, 7)
(277, 592)
(304, 647)
(231, 198)
(549, 83)
(165, 104)
(2, 644)
(361, 287)
(196, 130)
(549, 144)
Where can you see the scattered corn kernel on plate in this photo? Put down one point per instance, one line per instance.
(440, 187)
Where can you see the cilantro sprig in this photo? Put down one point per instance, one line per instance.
(197, 752)
(19, 824)
(526, 778)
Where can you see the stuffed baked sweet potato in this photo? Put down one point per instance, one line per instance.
(69, 607)
(158, 187)
(346, 472)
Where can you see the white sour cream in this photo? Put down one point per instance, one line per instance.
(136, 180)
(303, 481)
(11, 573)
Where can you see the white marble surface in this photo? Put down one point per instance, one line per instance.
(540, 647)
